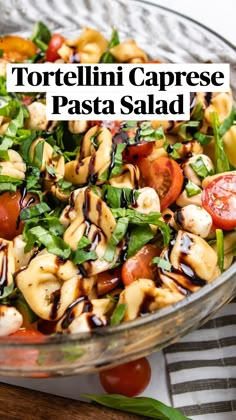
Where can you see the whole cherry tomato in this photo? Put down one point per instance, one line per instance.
(55, 43)
(165, 176)
(219, 200)
(139, 265)
(129, 379)
(10, 207)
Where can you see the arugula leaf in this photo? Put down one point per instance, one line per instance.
(41, 35)
(221, 160)
(162, 263)
(34, 211)
(116, 237)
(139, 236)
(192, 189)
(107, 57)
(119, 197)
(220, 248)
(118, 314)
(200, 168)
(143, 406)
(117, 162)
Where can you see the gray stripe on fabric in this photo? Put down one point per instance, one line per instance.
(200, 385)
(192, 364)
(219, 322)
(207, 408)
(203, 345)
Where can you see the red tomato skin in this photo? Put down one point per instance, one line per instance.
(10, 206)
(219, 200)
(28, 335)
(129, 379)
(139, 265)
(134, 153)
(165, 176)
(55, 43)
(108, 280)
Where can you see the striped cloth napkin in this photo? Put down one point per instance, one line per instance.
(202, 369)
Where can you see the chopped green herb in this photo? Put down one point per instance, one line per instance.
(107, 57)
(119, 197)
(7, 290)
(220, 248)
(162, 263)
(118, 314)
(183, 130)
(139, 236)
(41, 36)
(34, 211)
(198, 112)
(221, 160)
(174, 154)
(192, 189)
(38, 154)
(200, 168)
(117, 163)
(116, 237)
(203, 139)
(148, 133)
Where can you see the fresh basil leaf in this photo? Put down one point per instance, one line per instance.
(34, 211)
(192, 189)
(30, 136)
(94, 140)
(1, 53)
(116, 237)
(7, 186)
(200, 168)
(198, 112)
(80, 256)
(32, 179)
(183, 130)
(162, 263)
(52, 243)
(139, 236)
(227, 123)
(148, 133)
(203, 139)
(174, 153)
(3, 86)
(221, 160)
(6, 291)
(220, 248)
(118, 314)
(117, 197)
(107, 57)
(143, 406)
(22, 305)
(38, 154)
(41, 36)
(83, 242)
(116, 166)
(64, 185)
(11, 179)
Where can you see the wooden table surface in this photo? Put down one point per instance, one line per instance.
(18, 403)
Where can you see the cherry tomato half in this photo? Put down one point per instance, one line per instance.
(10, 207)
(129, 379)
(108, 280)
(139, 265)
(219, 199)
(165, 175)
(138, 151)
(55, 43)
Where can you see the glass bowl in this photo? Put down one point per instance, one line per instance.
(164, 35)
